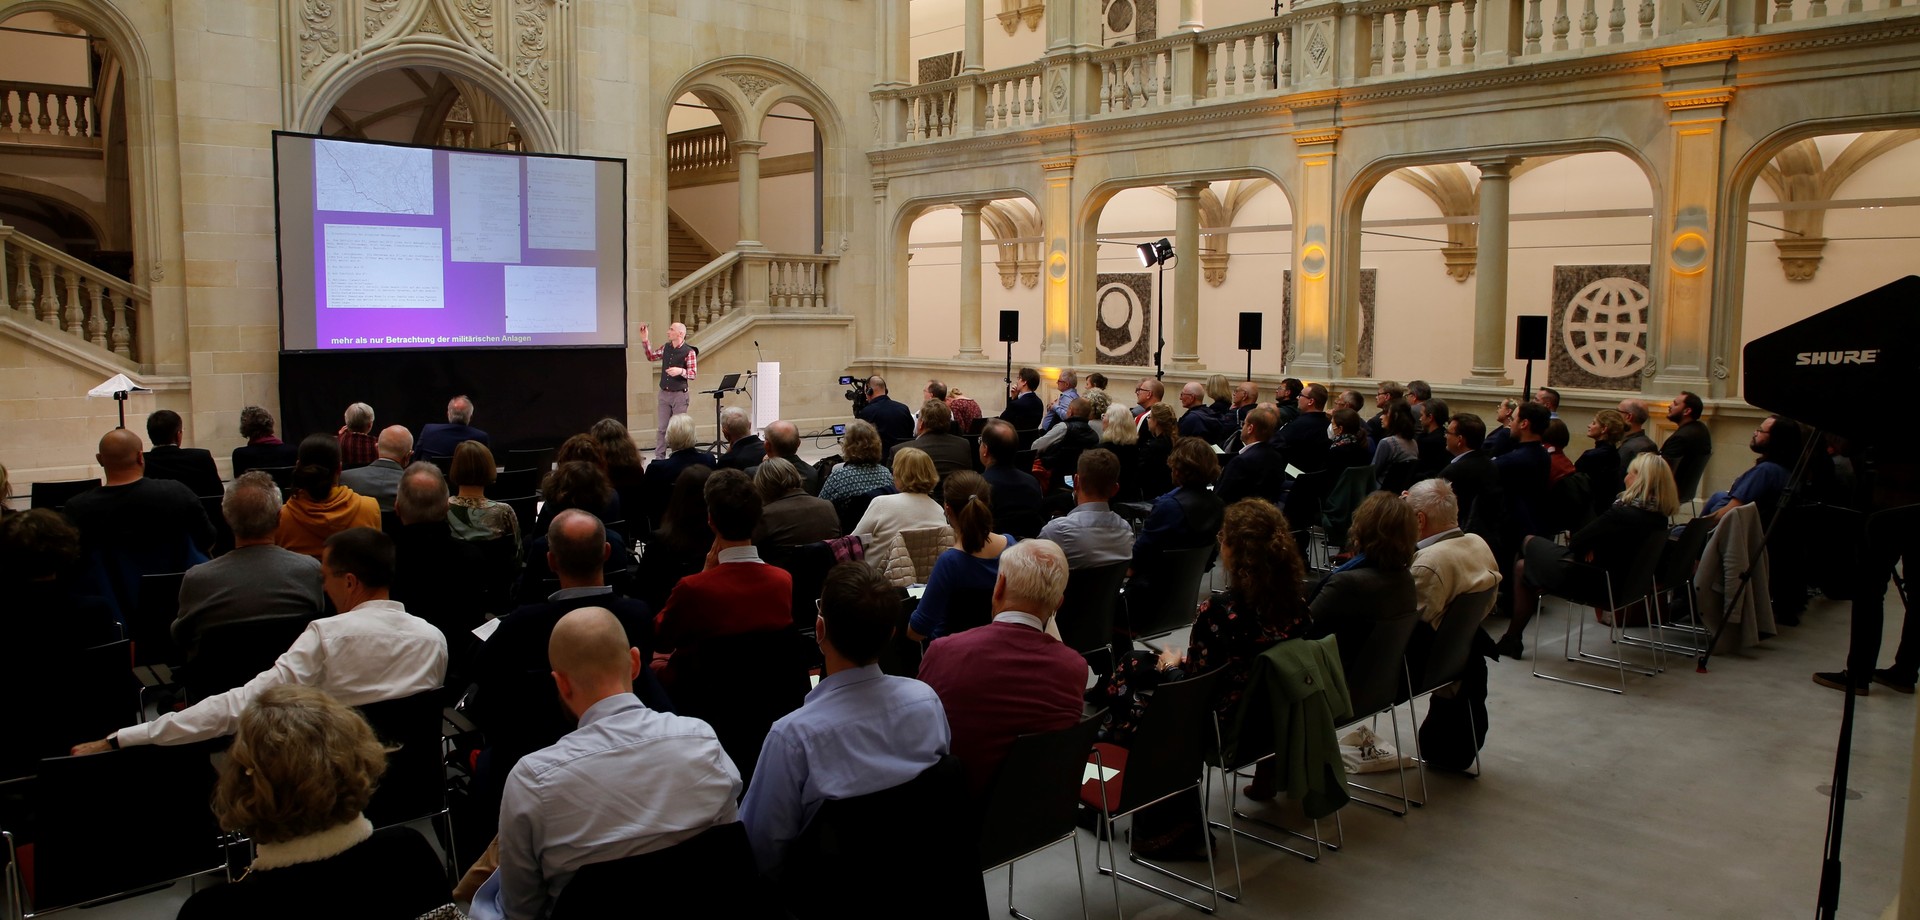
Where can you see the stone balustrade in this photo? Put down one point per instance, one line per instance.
(41, 284)
(753, 282)
(37, 112)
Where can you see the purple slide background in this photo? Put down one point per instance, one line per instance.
(474, 291)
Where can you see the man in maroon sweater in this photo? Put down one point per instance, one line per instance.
(1009, 678)
(737, 592)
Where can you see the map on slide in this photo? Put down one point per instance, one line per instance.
(372, 178)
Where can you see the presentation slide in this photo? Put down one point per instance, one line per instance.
(387, 246)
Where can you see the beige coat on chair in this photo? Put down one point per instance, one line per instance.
(1733, 549)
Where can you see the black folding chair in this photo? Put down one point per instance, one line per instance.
(1375, 674)
(56, 494)
(1445, 661)
(415, 784)
(229, 654)
(1163, 761)
(538, 459)
(526, 508)
(514, 482)
(741, 685)
(1089, 608)
(282, 477)
(1032, 801)
(908, 850)
(222, 533)
(968, 608)
(151, 625)
(1612, 591)
(1168, 597)
(1675, 574)
(711, 873)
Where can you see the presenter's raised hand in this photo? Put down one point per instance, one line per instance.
(643, 332)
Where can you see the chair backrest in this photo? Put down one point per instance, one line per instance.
(514, 482)
(1398, 476)
(1679, 556)
(229, 654)
(741, 685)
(904, 850)
(1453, 641)
(1172, 741)
(97, 695)
(414, 785)
(808, 564)
(1376, 670)
(968, 608)
(56, 494)
(445, 463)
(1170, 597)
(1348, 491)
(711, 872)
(852, 508)
(1636, 582)
(1034, 798)
(1302, 504)
(526, 508)
(153, 614)
(222, 531)
(123, 820)
(538, 459)
(1088, 609)
(1688, 476)
(1570, 503)
(282, 477)
(390, 522)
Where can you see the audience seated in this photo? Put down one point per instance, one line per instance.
(301, 769)
(374, 650)
(46, 627)
(1195, 420)
(321, 506)
(1231, 630)
(1522, 472)
(1608, 543)
(1097, 405)
(1017, 502)
(579, 480)
(1024, 408)
(1220, 405)
(1555, 437)
(157, 523)
(1472, 476)
(1502, 437)
(662, 473)
(254, 579)
(1259, 470)
(964, 410)
(911, 508)
(1601, 462)
(439, 440)
(1056, 411)
(470, 513)
(737, 592)
(1447, 561)
(789, 516)
(1395, 444)
(1432, 439)
(860, 471)
(679, 547)
(970, 566)
(262, 450)
(439, 577)
(189, 466)
(889, 417)
(625, 469)
(629, 780)
(1304, 441)
(783, 441)
(1635, 441)
(860, 731)
(1549, 397)
(1119, 437)
(1286, 400)
(1091, 534)
(1008, 678)
(379, 479)
(1063, 455)
(745, 450)
(1778, 441)
(357, 445)
(1156, 446)
(1346, 442)
(1187, 515)
(1386, 394)
(1375, 584)
(950, 452)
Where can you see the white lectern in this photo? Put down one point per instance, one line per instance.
(766, 394)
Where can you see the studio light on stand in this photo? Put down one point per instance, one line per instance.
(1152, 254)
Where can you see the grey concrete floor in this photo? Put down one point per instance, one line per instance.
(1690, 796)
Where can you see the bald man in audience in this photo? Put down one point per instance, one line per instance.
(381, 478)
(783, 441)
(1195, 421)
(130, 512)
(627, 781)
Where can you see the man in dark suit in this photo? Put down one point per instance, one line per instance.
(1018, 507)
(1523, 477)
(950, 452)
(789, 516)
(783, 441)
(1303, 441)
(1259, 470)
(437, 440)
(1688, 448)
(887, 416)
(1023, 404)
(745, 450)
(1471, 474)
(168, 460)
(1195, 420)
(1287, 400)
(1432, 439)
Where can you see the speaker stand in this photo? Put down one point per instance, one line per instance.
(1527, 393)
(1009, 377)
(1249, 352)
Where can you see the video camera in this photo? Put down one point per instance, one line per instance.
(858, 394)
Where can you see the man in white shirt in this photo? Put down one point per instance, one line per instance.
(628, 781)
(374, 651)
(1448, 562)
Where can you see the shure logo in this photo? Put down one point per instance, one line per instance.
(1855, 356)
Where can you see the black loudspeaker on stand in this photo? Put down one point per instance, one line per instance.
(1009, 333)
(1249, 337)
(1529, 345)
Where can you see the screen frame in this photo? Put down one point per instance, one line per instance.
(279, 266)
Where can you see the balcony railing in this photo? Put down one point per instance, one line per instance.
(701, 148)
(753, 282)
(42, 113)
(40, 283)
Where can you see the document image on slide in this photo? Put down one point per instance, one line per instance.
(384, 268)
(372, 178)
(483, 198)
(560, 206)
(550, 298)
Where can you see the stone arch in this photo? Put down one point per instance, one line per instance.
(529, 115)
(66, 199)
(895, 319)
(1798, 173)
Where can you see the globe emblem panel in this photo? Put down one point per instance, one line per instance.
(1604, 327)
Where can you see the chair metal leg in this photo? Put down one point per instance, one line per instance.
(1393, 716)
(1229, 777)
(1577, 656)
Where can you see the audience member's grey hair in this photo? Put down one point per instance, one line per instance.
(1420, 390)
(681, 432)
(1435, 499)
(774, 478)
(1635, 411)
(460, 411)
(1119, 427)
(252, 506)
(1099, 401)
(734, 423)
(1035, 572)
(422, 494)
(359, 417)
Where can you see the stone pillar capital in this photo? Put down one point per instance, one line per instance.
(1496, 167)
(748, 147)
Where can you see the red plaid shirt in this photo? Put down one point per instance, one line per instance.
(693, 358)
(357, 449)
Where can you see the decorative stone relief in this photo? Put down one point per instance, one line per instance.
(1318, 49)
(1598, 337)
(753, 85)
(1699, 12)
(1460, 261)
(319, 34)
(1059, 92)
(479, 17)
(1799, 259)
(431, 24)
(1799, 173)
(1123, 320)
(530, 60)
(375, 14)
(1213, 265)
(1029, 272)
(1014, 12)
(1009, 273)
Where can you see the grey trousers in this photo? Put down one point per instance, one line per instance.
(671, 404)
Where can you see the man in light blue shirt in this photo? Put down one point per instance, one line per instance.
(1057, 412)
(1091, 534)
(628, 781)
(858, 732)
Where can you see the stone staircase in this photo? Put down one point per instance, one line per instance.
(686, 253)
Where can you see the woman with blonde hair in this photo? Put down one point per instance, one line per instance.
(1601, 462)
(911, 508)
(1121, 437)
(301, 770)
(1608, 543)
(1501, 439)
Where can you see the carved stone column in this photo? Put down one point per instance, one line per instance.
(1490, 274)
(1056, 216)
(1685, 330)
(746, 157)
(1186, 276)
(976, 37)
(970, 279)
(1190, 16)
(1317, 352)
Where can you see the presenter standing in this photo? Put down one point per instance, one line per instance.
(679, 363)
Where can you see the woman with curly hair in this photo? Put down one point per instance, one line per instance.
(579, 480)
(625, 469)
(301, 770)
